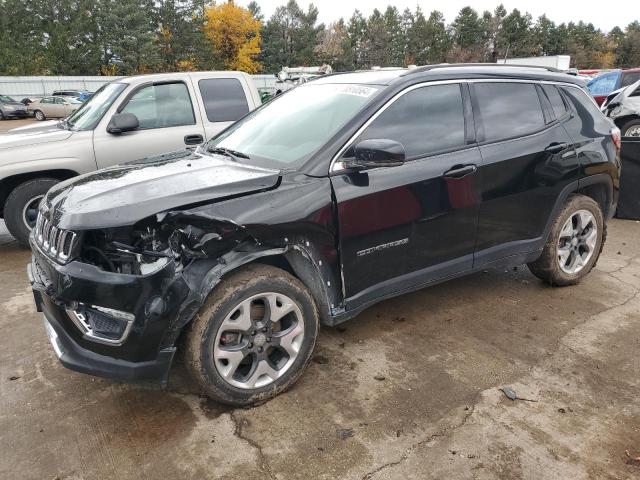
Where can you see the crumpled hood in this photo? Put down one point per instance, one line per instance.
(34, 134)
(125, 194)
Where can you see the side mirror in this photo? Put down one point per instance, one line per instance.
(376, 152)
(123, 122)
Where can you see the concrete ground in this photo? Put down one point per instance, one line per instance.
(409, 389)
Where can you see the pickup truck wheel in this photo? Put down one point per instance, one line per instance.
(574, 244)
(21, 207)
(39, 114)
(253, 337)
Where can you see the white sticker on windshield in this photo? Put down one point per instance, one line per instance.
(358, 90)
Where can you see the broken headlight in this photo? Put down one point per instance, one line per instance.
(137, 250)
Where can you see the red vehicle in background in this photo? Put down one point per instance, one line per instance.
(604, 84)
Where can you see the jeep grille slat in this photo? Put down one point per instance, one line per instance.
(54, 241)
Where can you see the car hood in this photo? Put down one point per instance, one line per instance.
(125, 194)
(34, 134)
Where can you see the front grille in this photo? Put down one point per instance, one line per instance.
(54, 241)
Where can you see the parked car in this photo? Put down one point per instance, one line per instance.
(10, 108)
(623, 107)
(604, 84)
(53, 107)
(81, 95)
(335, 195)
(125, 120)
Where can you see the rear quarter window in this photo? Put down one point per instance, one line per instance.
(555, 99)
(224, 99)
(509, 110)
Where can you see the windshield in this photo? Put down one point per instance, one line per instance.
(73, 100)
(285, 132)
(91, 112)
(4, 98)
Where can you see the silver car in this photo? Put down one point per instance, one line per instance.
(623, 107)
(54, 107)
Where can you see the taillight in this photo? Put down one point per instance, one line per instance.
(616, 137)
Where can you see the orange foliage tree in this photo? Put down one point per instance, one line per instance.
(234, 35)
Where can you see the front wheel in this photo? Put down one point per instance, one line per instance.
(39, 114)
(574, 244)
(631, 128)
(253, 337)
(21, 207)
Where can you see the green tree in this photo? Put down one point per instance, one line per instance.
(357, 34)
(179, 35)
(428, 39)
(467, 32)
(290, 36)
(126, 36)
(515, 35)
(394, 48)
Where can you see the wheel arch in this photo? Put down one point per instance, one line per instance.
(7, 184)
(620, 121)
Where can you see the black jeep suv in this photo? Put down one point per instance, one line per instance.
(342, 192)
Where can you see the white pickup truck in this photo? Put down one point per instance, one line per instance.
(127, 119)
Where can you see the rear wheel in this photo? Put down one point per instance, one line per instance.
(574, 244)
(39, 114)
(1, 115)
(253, 337)
(21, 207)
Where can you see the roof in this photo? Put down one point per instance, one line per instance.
(452, 72)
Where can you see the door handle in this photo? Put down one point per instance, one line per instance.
(460, 171)
(556, 147)
(193, 139)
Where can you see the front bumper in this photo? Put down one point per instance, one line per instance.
(17, 114)
(144, 355)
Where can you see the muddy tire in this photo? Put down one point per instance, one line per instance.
(253, 337)
(574, 244)
(21, 207)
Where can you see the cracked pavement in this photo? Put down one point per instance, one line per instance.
(409, 389)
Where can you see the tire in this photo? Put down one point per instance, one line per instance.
(39, 115)
(565, 261)
(214, 333)
(15, 208)
(2, 117)
(633, 124)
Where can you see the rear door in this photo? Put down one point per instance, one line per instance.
(223, 100)
(401, 227)
(527, 160)
(169, 121)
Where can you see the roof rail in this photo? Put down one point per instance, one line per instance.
(427, 68)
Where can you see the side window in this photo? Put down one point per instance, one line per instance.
(555, 99)
(425, 120)
(509, 110)
(604, 84)
(224, 99)
(163, 105)
(58, 101)
(629, 78)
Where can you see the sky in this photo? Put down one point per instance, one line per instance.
(590, 11)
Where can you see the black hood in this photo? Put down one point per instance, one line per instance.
(124, 194)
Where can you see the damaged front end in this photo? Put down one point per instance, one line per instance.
(116, 298)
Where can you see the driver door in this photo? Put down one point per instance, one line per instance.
(402, 227)
(168, 122)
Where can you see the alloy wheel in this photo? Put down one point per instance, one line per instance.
(258, 340)
(577, 242)
(30, 211)
(633, 131)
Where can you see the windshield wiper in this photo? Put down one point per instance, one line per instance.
(234, 154)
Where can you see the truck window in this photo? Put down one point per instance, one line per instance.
(160, 106)
(509, 110)
(224, 99)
